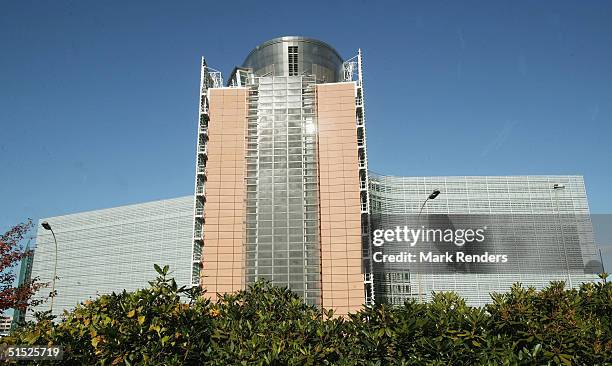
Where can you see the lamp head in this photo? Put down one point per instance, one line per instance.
(46, 225)
(434, 194)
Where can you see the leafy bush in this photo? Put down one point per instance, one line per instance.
(266, 325)
(11, 254)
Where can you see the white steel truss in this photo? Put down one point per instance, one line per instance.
(209, 78)
(353, 71)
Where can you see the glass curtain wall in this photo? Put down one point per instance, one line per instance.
(282, 190)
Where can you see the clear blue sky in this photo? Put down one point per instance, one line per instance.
(98, 99)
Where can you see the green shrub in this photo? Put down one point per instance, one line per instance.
(267, 325)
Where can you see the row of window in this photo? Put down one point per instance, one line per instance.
(277, 109)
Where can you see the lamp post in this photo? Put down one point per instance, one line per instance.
(46, 226)
(603, 268)
(431, 196)
(557, 187)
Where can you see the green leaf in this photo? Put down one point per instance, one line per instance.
(95, 341)
(158, 269)
(32, 337)
(565, 359)
(536, 349)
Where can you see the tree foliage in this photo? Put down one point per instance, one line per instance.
(11, 254)
(266, 325)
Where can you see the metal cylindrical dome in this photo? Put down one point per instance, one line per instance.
(292, 56)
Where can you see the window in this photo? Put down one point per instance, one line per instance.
(293, 61)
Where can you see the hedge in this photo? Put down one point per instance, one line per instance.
(267, 325)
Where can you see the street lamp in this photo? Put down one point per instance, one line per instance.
(558, 187)
(46, 226)
(431, 196)
(603, 268)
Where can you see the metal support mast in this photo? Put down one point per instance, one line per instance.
(209, 78)
(350, 66)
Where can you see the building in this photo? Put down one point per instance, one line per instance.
(533, 206)
(109, 250)
(25, 275)
(5, 325)
(283, 193)
(281, 182)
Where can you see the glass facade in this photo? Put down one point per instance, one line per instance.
(113, 249)
(282, 191)
(530, 201)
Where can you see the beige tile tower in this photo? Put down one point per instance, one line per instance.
(281, 182)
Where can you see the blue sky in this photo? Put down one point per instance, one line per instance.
(98, 100)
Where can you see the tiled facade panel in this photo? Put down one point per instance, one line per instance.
(223, 254)
(341, 270)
